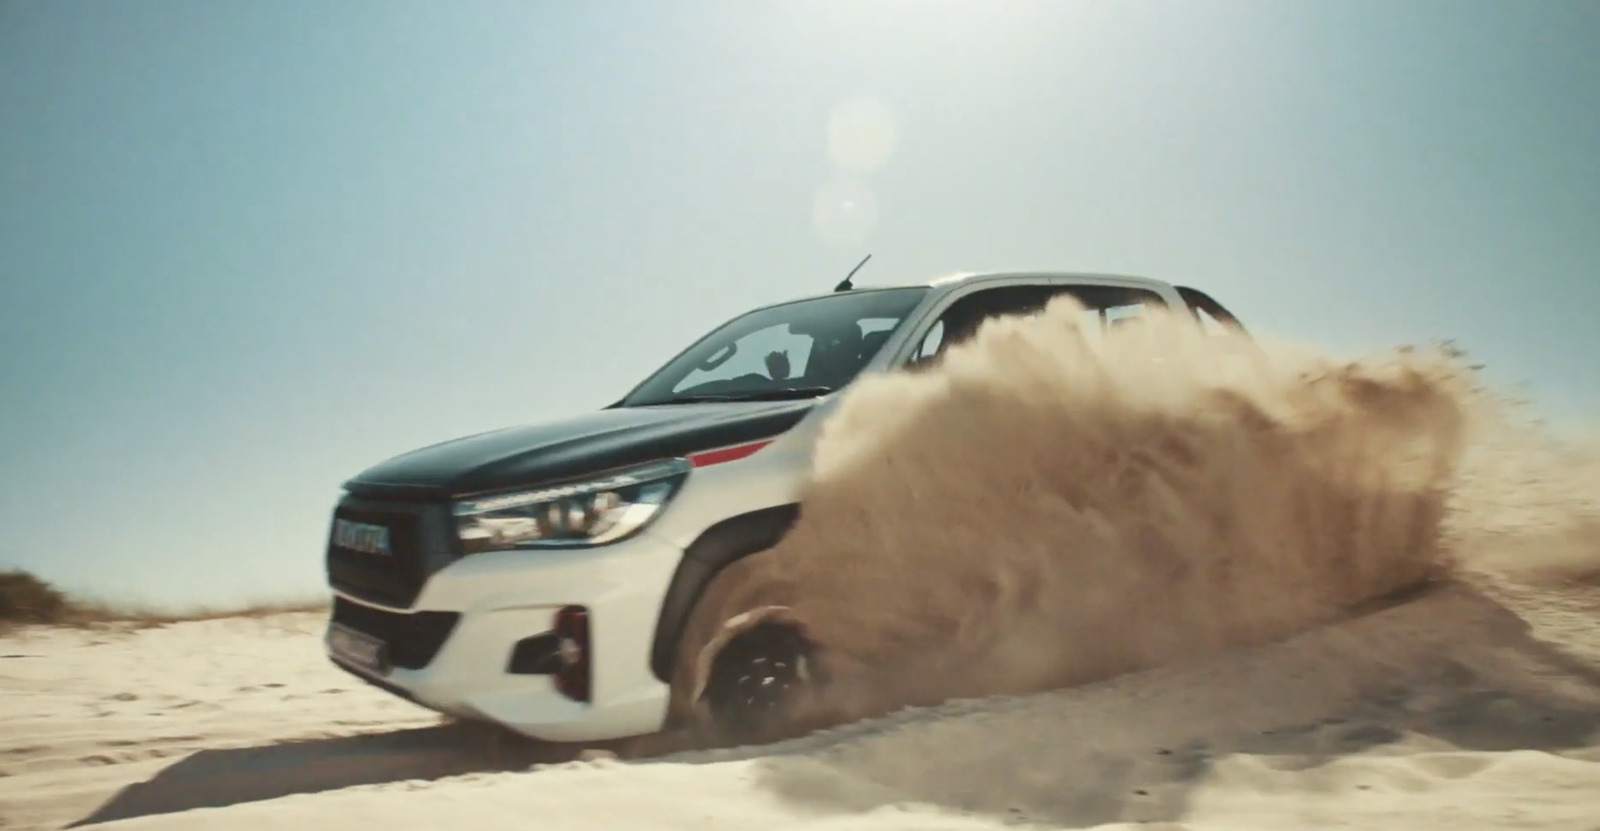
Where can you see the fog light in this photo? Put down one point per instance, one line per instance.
(574, 680)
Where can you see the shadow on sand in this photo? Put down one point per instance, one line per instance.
(217, 778)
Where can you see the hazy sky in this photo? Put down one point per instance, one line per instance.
(247, 249)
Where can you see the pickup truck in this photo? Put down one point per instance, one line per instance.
(539, 577)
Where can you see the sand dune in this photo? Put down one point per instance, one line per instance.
(1165, 583)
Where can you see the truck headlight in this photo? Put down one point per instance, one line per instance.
(591, 512)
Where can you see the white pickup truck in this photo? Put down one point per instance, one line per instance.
(539, 577)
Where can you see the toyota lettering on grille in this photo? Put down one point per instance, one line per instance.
(360, 536)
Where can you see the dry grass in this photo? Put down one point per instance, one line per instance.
(26, 600)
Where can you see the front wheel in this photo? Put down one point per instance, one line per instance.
(755, 679)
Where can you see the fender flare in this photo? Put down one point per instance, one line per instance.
(718, 547)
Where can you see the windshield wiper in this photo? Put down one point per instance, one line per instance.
(782, 394)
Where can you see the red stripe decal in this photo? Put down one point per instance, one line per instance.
(727, 454)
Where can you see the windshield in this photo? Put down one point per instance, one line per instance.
(800, 349)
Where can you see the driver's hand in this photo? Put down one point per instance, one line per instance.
(778, 365)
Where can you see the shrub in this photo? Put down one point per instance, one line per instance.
(25, 598)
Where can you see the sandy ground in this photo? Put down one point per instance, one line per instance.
(1470, 706)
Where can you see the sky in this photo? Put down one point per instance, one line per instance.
(249, 249)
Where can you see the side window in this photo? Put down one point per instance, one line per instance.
(1214, 319)
(1123, 314)
(963, 318)
(1107, 307)
(1211, 325)
(1104, 307)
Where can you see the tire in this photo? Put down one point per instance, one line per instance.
(754, 681)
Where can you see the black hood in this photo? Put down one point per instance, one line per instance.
(591, 443)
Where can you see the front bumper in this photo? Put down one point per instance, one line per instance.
(502, 598)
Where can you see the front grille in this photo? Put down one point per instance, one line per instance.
(419, 546)
(412, 638)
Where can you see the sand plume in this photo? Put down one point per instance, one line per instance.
(1052, 505)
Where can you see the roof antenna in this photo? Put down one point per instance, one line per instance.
(845, 284)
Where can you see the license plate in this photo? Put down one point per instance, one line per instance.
(358, 649)
(363, 537)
